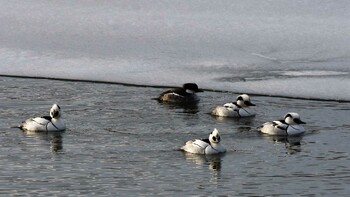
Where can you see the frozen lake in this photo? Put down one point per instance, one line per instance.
(285, 48)
(120, 142)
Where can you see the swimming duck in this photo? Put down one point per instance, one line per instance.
(290, 125)
(185, 94)
(45, 123)
(205, 146)
(239, 108)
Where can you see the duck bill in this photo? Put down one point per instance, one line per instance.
(199, 90)
(248, 103)
(298, 121)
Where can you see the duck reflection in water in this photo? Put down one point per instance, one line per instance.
(54, 138)
(213, 162)
(292, 143)
(244, 124)
(184, 107)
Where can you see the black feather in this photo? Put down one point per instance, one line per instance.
(47, 118)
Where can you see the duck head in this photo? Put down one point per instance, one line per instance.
(293, 118)
(243, 100)
(191, 88)
(214, 137)
(55, 111)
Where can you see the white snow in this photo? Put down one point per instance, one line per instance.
(285, 48)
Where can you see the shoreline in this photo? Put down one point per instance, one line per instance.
(159, 86)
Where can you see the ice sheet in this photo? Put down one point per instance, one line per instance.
(285, 48)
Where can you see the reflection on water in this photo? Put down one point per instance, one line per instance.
(246, 121)
(55, 139)
(186, 108)
(245, 124)
(212, 161)
(292, 143)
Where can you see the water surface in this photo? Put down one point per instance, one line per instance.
(121, 142)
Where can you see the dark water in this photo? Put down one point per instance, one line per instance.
(120, 142)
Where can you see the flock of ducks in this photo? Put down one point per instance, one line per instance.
(290, 125)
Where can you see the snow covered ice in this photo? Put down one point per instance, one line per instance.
(282, 48)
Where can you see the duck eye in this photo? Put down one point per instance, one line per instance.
(214, 138)
(54, 114)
